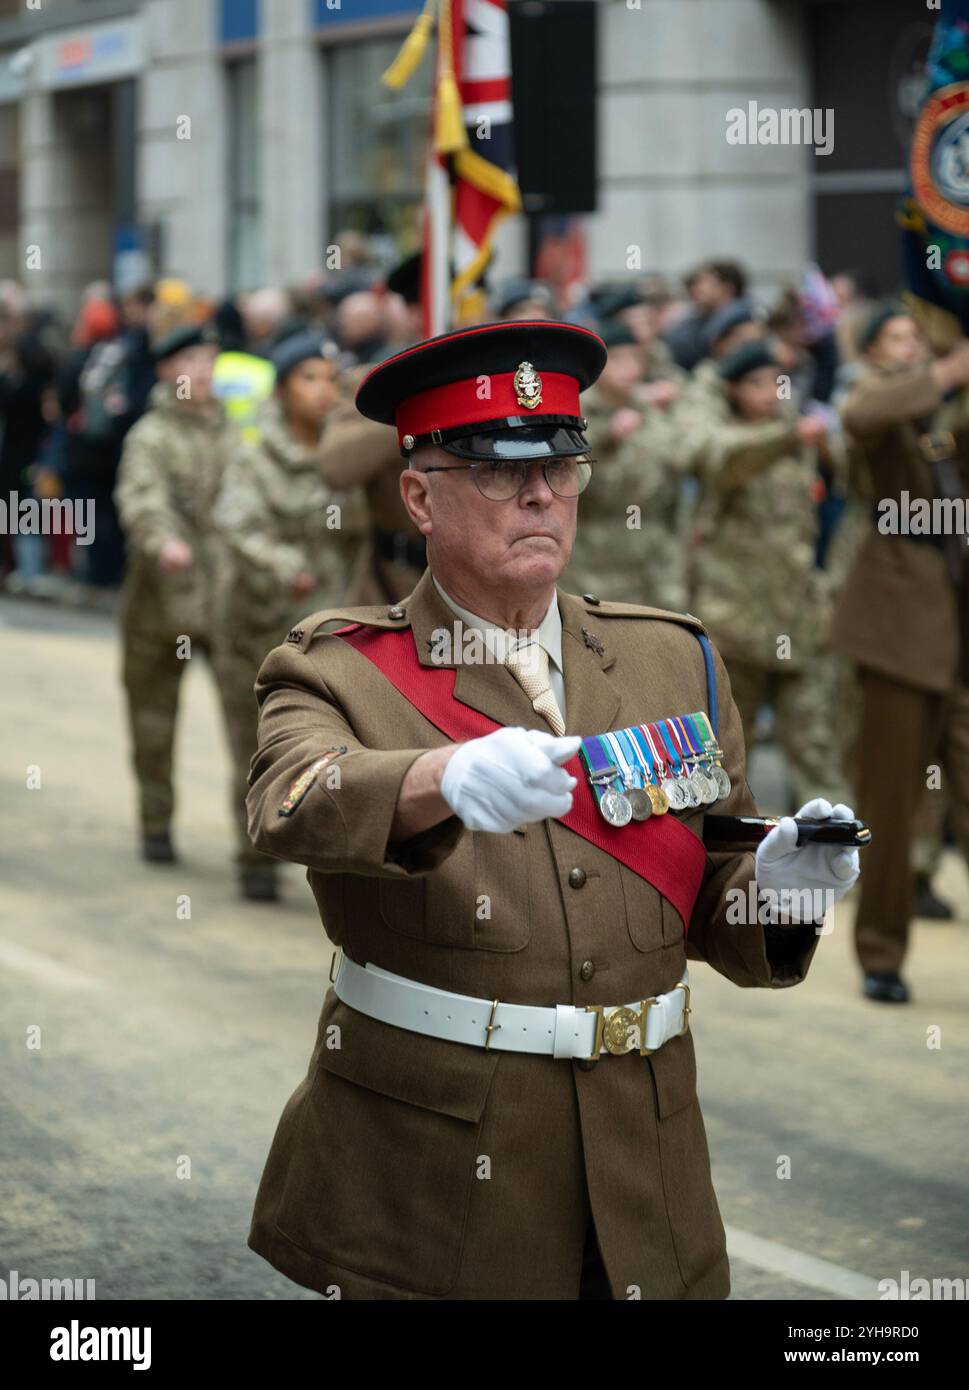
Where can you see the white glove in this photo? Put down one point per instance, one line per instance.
(828, 871)
(510, 778)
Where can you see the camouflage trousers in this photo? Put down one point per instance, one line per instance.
(152, 673)
(805, 713)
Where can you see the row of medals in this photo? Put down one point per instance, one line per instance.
(701, 786)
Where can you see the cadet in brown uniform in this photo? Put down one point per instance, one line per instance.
(901, 617)
(479, 1118)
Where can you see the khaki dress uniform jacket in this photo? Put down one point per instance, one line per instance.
(407, 1167)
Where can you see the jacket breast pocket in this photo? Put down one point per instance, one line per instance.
(478, 899)
(691, 1204)
(384, 1155)
(652, 922)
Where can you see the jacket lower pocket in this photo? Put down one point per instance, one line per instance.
(383, 1159)
(691, 1203)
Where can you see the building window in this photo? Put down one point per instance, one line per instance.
(245, 177)
(378, 143)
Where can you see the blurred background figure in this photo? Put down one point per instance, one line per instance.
(630, 542)
(523, 298)
(102, 391)
(28, 368)
(244, 375)
(289, 541)
(757, 584)
(711, 287)
(360, 328)
(171, 471)
(361, 453)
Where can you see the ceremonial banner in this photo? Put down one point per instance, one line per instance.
(935, 215)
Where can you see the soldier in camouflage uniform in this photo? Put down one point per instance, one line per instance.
(170, 474)
(758, 589)
(705, 401)
(629, 545)
(289, 544)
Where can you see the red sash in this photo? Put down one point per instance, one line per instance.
(660, 850)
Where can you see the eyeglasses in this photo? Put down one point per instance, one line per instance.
(502, 479)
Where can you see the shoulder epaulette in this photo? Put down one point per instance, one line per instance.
(601, 608)
(391, 618)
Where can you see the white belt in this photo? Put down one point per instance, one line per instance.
(562, 1030)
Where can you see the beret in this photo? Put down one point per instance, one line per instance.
(877, 320)
(749, 357)
(189, 335)
(618, 299)
(519, 289)
(615, 333)
(298, 347)
(731, 316)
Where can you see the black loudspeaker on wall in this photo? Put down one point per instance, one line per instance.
(553, 78)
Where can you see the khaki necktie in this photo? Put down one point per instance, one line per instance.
(529, 666)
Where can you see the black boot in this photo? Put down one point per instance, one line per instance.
(259, 885)
(158, 849)
(927, 905)
(887, 987)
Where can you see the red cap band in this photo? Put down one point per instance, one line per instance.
(484, 397)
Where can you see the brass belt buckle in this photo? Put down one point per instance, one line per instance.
(621, 1029)
(937, 445)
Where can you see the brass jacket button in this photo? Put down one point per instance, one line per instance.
(576, 878)
(395, 612)
(587, 970)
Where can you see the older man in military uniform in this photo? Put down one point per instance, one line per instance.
(486, 1114)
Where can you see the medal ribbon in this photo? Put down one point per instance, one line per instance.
(652, 738)
(615, 743)
(681, 724)
(710, 737)
(633, 757)
(660, 850)
(679, 771)
(641, 744)
(594, 757)
(703, 748)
